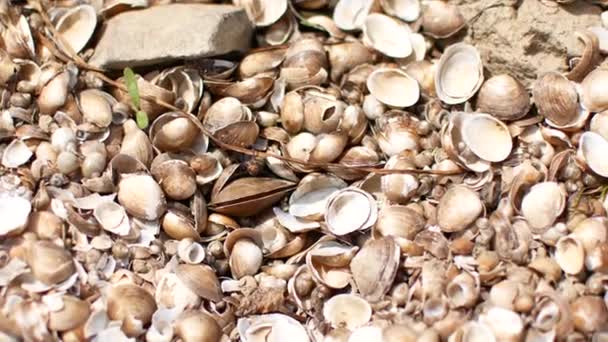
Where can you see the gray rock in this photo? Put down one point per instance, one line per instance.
(172, 32)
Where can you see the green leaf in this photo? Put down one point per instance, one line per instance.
(142, 119)
(131, 84)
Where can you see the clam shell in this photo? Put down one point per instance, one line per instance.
(458, 208)
(393, 87)
(248, 196)
(113, 218)
(590, 150)
(556, 98)
(543, 204)
(441, 19)
(570, 254)
(349, 210)
(459, 73)
(487, 137)
(201, 279)
(309, 200)
(77, 25)
(142, 197)
(504, 97)
(16, 154)
(15, 211)
(350, 14)
(386, 35)
(375, 266)
(408, 10)
(347, 310)
(593, 90)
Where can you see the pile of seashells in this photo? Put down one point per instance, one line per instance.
(354, 178)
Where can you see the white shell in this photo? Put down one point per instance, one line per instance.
(190, 252)
(349, 210)
(570, 254)
(271, 327)
(14, 212)
(386, 35)
(350, 14)
(487, 137)
(543, 204)
(112, 218)
(459, 73)
(77, 26)
(592, 147)
(347, 310)
(16, 154)
(393, 87)
(408, 10)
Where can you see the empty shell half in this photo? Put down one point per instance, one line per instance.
(387, 35)
(349, 210)
(393, 87)
(459, 73)
(543, 204)
(347, 310)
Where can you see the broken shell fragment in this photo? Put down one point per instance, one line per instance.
(459, 73)
(349, 210)
(346, 310)
(16, 154)
(393, 87)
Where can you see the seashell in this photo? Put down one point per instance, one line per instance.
(328, 263)
(556, 99)
(347, 310)
(593, 89)
(54, 93)
(309, 200)
(305, 64)
(399, 187)
(589, 150)
(16, 154)
(349, 210)
(400, 222)
(424, 72)
(570, 254)
(50, 263)
(186, 83)
(393, 87)
(599, 124)
(114, 7)
(8, 69)
(178, 225)
(375, 266)
(260, 62)
(458, 208)
(192, 326)
(396, 133)
(200, 279)
(350, 15)
(113, 218)
(142, 197)
(589, 314)
(504, 97)
(473, 332)
(44, 224)
(488, 138)
(458, 60)
(96, 107)
(206, 167)
(276, 327)
(346, 56)
(589, 58)
(265, 12)
(132, 306)
(18, 40)
(248, 196)
(177, 132)
(252, 91)
(505, 324)
(356, 156)
(76, 26)
(172, 293)
(387, 36)
(462, 291)
(244, 248)
(74, 313)
(441, 19)
(135, 143)
(190, 252)
(408, 10)
(176, 178)
(543, 204)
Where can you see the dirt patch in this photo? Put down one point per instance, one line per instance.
(526, 38)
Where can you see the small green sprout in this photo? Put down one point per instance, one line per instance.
(140, 116)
